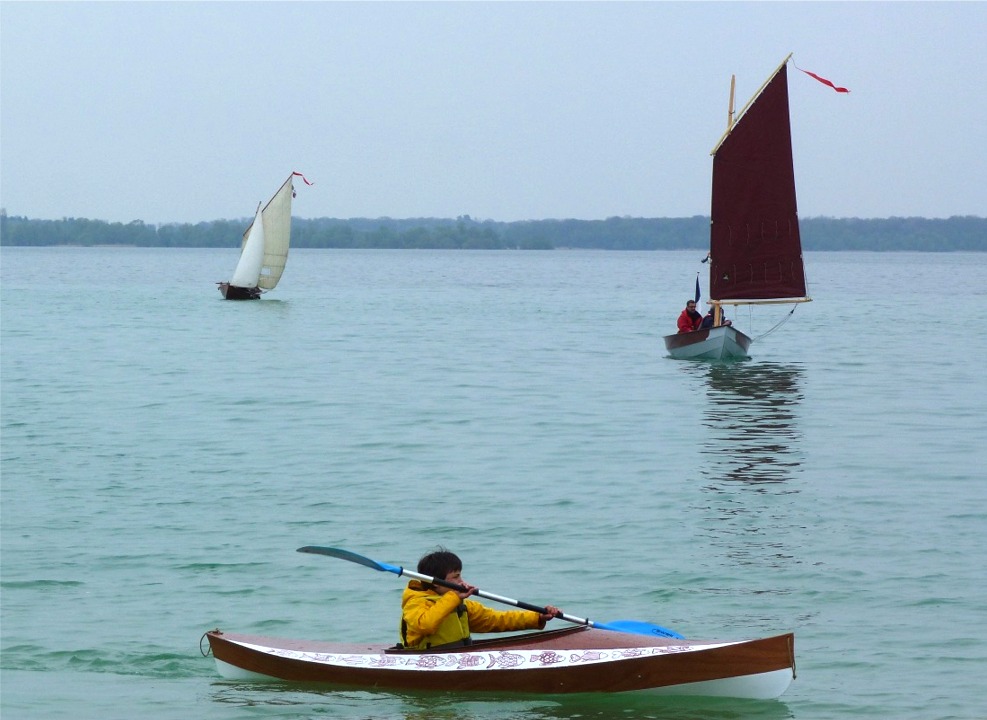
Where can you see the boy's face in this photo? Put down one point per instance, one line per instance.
(456, 576)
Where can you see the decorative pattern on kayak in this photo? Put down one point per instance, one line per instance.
(502, 660)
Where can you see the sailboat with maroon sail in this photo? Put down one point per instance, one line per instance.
(755, 247)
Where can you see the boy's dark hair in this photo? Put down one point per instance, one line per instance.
(439, 563)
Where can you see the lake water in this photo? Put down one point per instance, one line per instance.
(164, 453)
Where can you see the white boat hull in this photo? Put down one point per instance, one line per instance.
(719, 343)
(756, 686)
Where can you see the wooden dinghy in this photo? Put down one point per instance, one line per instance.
(567, 661)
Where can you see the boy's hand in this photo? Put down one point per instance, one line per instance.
(553, 612)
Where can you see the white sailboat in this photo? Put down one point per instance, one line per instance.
(264, 250)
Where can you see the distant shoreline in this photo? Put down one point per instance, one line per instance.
(961, 233)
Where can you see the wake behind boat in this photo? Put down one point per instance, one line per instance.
(755, 247)
(264, 250)
(556, 662)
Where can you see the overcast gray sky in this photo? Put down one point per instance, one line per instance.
(191, 111)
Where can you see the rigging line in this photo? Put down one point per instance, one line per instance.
(778, 324)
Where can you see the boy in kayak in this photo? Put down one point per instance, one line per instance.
(434, 616)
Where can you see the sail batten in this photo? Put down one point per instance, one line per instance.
(755, 244)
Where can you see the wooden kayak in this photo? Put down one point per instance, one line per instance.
(566, 661)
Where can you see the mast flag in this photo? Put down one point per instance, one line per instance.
(823, 80)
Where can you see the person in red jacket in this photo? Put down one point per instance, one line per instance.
(690, 319)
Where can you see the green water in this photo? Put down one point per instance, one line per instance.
(164, 452)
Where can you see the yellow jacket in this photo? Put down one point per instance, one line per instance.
(429, 619)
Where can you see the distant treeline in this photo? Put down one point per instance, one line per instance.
(616, 233)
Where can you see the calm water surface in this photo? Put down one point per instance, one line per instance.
(164, 452)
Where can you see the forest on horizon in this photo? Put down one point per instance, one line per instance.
(960, 233)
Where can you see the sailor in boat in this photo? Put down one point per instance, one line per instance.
(710, 319)
(690, 319)
(433, 616)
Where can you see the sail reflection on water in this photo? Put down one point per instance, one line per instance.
(750, 425)
(751, 454)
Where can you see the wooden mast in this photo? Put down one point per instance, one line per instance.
(733, 85)
(717, 309)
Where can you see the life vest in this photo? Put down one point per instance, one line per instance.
(454, 630)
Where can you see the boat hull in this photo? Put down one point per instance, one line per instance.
(719, 343)
(234, 292)
(570, 661)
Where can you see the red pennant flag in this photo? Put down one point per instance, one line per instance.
(823, 80)
(302, 177)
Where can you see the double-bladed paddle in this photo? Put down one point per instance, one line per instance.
(635, 627)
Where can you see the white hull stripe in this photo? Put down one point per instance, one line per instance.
(479, 661)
